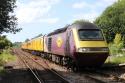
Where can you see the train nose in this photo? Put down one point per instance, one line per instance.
(90, 59)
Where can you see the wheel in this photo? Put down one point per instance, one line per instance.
(74, 68)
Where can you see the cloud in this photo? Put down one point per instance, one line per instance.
(91, 16)
(80, 5)
(93, 12)
(49, 20)
(104, 3)
(34, 10)
(96, 4)
(108, 1)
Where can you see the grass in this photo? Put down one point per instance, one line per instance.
(117, 55)
(115, 60)
(5, 57)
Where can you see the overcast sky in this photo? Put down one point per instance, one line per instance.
(44, 16)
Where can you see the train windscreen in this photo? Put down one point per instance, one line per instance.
(90, 34)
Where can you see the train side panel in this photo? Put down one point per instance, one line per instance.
(24, 46)
(39, 44)
(57, 44)
(29, 45)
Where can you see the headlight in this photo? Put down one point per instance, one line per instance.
(105, 49)
(93, 49)
(83, 49)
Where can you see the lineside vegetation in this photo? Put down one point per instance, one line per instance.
(5, 57)
(112, 23)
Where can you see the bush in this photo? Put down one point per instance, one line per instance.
(4, 42)
(116, 46)
(5, 57)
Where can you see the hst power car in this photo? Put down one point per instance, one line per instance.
(77, 45)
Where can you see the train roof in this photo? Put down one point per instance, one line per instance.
(84, 25)
(78, 25)
(61, 30)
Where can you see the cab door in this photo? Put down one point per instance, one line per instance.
(70, 44)
(68, 38)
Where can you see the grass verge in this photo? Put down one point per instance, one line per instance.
(115, 60)
(5, 57)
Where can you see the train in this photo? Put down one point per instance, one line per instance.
(77, 45)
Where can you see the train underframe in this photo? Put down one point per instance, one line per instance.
(78, 61)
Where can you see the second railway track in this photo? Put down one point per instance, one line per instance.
(41, 73)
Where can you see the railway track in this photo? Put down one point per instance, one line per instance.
(32, 71)
(87, 77)
(44, 76)
(101, 75)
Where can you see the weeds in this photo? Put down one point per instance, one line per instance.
(5, 57)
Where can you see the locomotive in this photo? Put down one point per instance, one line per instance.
(77, 45)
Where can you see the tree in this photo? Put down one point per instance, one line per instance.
(27, 40)
(117, 44)
(4, 42)
(112, 20)
(8, 21)
(17, 44)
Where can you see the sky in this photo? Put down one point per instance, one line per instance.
(44, 16)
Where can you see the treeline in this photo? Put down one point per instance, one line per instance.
(112, 23)
(17, 44)
(4, 43)
(112, 20)
(8, 22)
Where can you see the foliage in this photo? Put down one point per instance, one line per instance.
(8, 21)
(4, 42)
(112, 20)
(117, 45)
(115, 60)
(6, 57)
(27, 40)
(17, 44)
(117, 38)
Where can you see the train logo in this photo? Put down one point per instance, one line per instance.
(59, 41)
